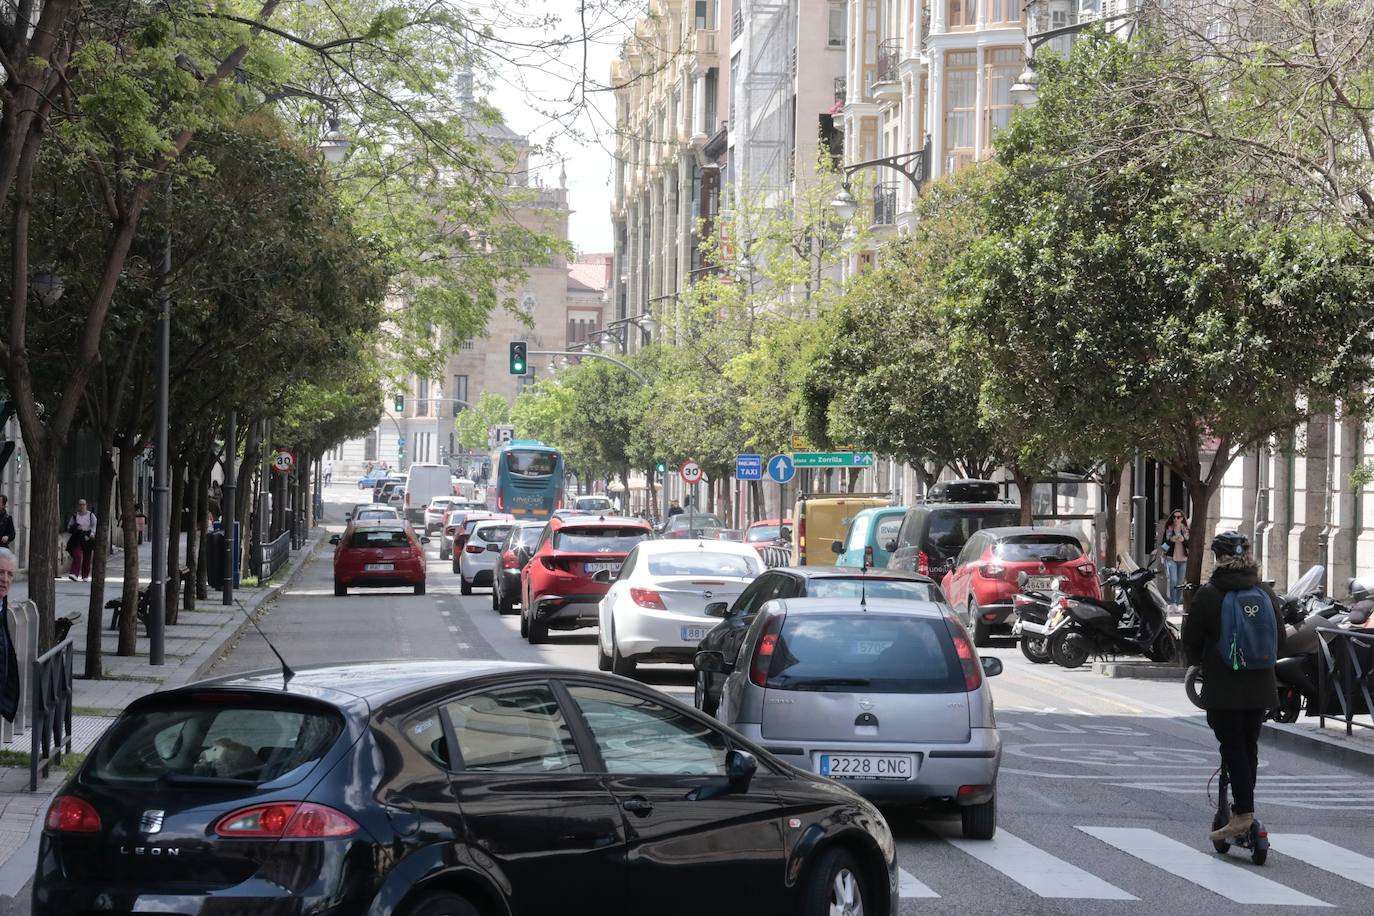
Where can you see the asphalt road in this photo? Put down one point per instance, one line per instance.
(1103, 795)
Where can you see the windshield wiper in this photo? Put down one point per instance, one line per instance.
(819, 683)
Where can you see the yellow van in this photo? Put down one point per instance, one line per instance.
(820, 519)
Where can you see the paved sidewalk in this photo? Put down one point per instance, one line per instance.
(192, 645)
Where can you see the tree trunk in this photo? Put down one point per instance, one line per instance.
(45, 551)
(192, 502)
(1200, 495)
(202, 529)
(177, 481)
(128, 629)
(1111, 492)
(243, 495)
(727, 502)
(104, 515)
(1024, 484)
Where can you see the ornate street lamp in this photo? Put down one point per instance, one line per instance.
(48, 287)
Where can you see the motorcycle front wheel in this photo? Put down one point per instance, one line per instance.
(1069, 649)
(1290, 705)
(1034, 648)
(1192, 684)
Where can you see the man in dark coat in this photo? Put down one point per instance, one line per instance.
(7, 532)
(1235, 700)
(9, 662)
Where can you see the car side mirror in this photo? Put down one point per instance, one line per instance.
(333, 539)
(494, 548)
(424, 540)
(1022, 579)
(740, 767)
(348, 515)
(709, 661)
(992, 665)
(717, 609)
(890, 546)
(837, 547)
(949, 565)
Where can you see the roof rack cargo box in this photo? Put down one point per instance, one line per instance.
(883, 495)
(965, 490)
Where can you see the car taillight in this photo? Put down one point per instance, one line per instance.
(500, 502)
(407, 500)
(549, 563)
(647, 597)
(474, 548)
(923, 563)
(508, 560)
(69, 814)
(991, 570)
(287, 821)
(968, 659)
(1087, 569)
(763, 652)
(801, 534)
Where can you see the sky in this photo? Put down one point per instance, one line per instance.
(542, 94)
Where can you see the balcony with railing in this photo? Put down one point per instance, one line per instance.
(841, 89)
(887, 82)
(885, 204)
(705, 46)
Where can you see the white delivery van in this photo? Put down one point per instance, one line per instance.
(423, 483)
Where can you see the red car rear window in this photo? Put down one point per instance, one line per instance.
(603, 539)
(383, 537)
(1047, 548)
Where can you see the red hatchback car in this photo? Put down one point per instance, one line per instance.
(378, 554)
(982, 581)
(562, 585)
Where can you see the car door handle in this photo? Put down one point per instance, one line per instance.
(638, 805)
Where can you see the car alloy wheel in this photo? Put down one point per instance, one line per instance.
(463, 586)
(835, 887)
(1035, 649)
(620, 665)
(524, 623)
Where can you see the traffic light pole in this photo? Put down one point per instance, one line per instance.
(580, 354)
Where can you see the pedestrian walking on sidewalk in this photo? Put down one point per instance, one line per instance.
(81, 541)
(9, 662)
(1175, 549)
(1234, 630)
(6, 524)
(328, 472)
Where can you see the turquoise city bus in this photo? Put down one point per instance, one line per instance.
(529, 479)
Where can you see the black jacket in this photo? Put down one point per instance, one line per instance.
(1222, 687)
(6, 529)
(9, 666)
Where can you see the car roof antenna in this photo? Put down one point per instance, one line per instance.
(286, 673)
(863, 583)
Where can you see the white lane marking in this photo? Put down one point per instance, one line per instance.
(1207, 870)
(1037, 870)
(1327, 856)
(445, 613)
(463, 645)
(453, 629)
(908, 887)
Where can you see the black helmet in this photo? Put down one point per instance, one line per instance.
(1230, 544)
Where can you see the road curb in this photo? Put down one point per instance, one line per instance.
(1143, 671)
(206, 656)
(1331, 747)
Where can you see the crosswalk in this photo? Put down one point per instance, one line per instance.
(1227, 878)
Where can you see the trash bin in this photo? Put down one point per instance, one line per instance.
(214, 558)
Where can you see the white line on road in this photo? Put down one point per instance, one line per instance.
(1037, 870)
(908, 887)
(453, 629)
(1327, 856)
(1208, 871)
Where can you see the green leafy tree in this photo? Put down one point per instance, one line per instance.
(472, 424)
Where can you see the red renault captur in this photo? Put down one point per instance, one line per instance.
(982, 581)
(562, 585)
(378, 554)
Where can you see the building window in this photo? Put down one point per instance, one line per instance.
(961, 100)
(712, 89)
(1002, 11)
(1001, 67)
(422, 398)
(961, 14)
(837, 22)
(460, 392)
(467, 344)
(370, 445)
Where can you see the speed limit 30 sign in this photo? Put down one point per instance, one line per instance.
(283, 461)
(691, 472)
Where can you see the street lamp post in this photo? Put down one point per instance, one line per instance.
(1027, 86)
(157, 590)
(914, 166)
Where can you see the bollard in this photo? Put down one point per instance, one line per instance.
(23, 624)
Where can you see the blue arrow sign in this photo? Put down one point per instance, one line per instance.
(780, 468)
(748, 467)
(401, 440)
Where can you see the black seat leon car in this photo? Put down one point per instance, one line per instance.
(448, 788)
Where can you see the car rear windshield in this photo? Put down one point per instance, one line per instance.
(592, 502)
(763, 533)
(598, 540)
(380, 537)
(694, 521)
(702, 563)
(528, 537)
(215, 739)
(1047, 548)
(492, 534)
(951, 528)
(873, 588)
(873, 653)
(531, 464)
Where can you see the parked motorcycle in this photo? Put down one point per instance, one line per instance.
(1031, 609)
(1134, 621)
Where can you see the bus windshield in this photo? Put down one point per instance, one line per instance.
(531, 463)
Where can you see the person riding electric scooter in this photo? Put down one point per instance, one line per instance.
(1234, 630)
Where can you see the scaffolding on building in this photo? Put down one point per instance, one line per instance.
(764, 140)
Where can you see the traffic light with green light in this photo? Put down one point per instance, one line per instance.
(661, 467)
(400, 403)
(519, 357)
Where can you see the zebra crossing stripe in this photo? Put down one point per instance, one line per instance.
(1206, 870)
(909, 887)
(1037, 870)
(1327, 856)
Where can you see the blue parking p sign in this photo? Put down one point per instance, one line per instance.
(781, 469)
(748, 467)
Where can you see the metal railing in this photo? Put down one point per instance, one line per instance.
(23, 622)
(51, 709)
(1346, 675)
(885, 204)
(272, 556)
(889, 57)
(737, 24)
(840, 89)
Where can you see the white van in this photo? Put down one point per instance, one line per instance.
(423, 483)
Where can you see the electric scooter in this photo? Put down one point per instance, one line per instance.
(1256, 839)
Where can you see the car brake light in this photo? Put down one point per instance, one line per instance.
(1087, 569)
(286, 820)
(923, 563)
(801, 534)
(647, 597)
(549, 563)
(69, 814)
(474, 548)
(968, 659)
(763, 652)
(991, 571)
(407, 499)
(508, 560)
(500, 502)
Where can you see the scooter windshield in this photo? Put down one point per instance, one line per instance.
(1309, 584)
